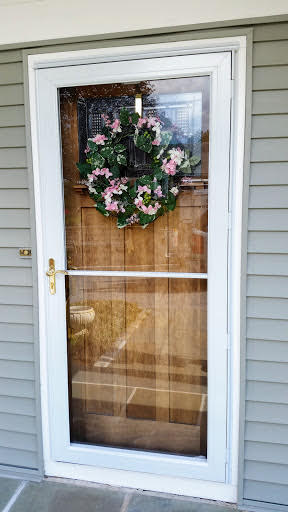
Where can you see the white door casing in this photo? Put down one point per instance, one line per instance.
(49, 206)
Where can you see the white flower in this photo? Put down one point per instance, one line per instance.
(92, 190)
(177, 155)
(108, 198)
(174, 191)
(160, 153)
(123, 187)
(157, 130)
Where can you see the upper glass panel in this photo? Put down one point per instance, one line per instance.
(176, 242)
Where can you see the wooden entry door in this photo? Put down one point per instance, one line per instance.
(138, 370)
(145, 309)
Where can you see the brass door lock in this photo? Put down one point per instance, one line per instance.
(25, 252)
(51, 273)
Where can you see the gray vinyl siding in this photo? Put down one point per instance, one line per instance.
(266, 428)
(18, 432)
(265, 445)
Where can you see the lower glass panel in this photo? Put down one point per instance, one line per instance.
(137, 353)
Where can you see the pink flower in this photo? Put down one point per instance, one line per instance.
(112, 207)
(106, 119)
(107, 173)
(99, 139)
(141, 121)
(102, 172)
(87, 150)
(158, 191)
(141, 189)
(151, 121)
(156, 142)
(134, 218)
(169, 167)
(116, 126)
(138, 202)
(149, 210)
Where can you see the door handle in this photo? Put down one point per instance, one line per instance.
(51, 273)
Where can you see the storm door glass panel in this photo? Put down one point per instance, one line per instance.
(137, 345)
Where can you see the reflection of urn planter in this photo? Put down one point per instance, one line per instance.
(80, 318)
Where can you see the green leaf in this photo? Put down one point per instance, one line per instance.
(185, 166)
(98, 160)
(171, 203)
(84, 169)
(154, 185)
(194, 160)
(122, 220)
(107, 151)
(105, 131)
(92, 145)
(144, 143)
(146, 179)
(135, 117)
(115, 171)
(165, 139)
(101, 208)
(121, 159)
(119, 148)
(112, 159)
(130, 208)
(158, 174)
(124, 116)
(132, 192)
(145, 219)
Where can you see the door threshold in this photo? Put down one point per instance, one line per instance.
(144, 482)
(131, 491)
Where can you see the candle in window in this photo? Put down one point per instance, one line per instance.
(138, 104)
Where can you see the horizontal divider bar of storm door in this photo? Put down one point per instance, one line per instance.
(124, 273)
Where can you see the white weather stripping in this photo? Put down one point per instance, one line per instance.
(124, 273)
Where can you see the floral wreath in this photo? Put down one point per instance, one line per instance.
(141, 200)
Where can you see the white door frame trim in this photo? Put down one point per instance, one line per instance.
(210, 490)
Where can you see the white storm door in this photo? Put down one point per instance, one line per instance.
(136, 350)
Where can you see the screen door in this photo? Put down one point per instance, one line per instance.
(138, 327)
(137, 345)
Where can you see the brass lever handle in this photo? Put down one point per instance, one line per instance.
(51, 273)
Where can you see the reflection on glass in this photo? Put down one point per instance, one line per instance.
(137, 351)
(183, 106)
(137, 347)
